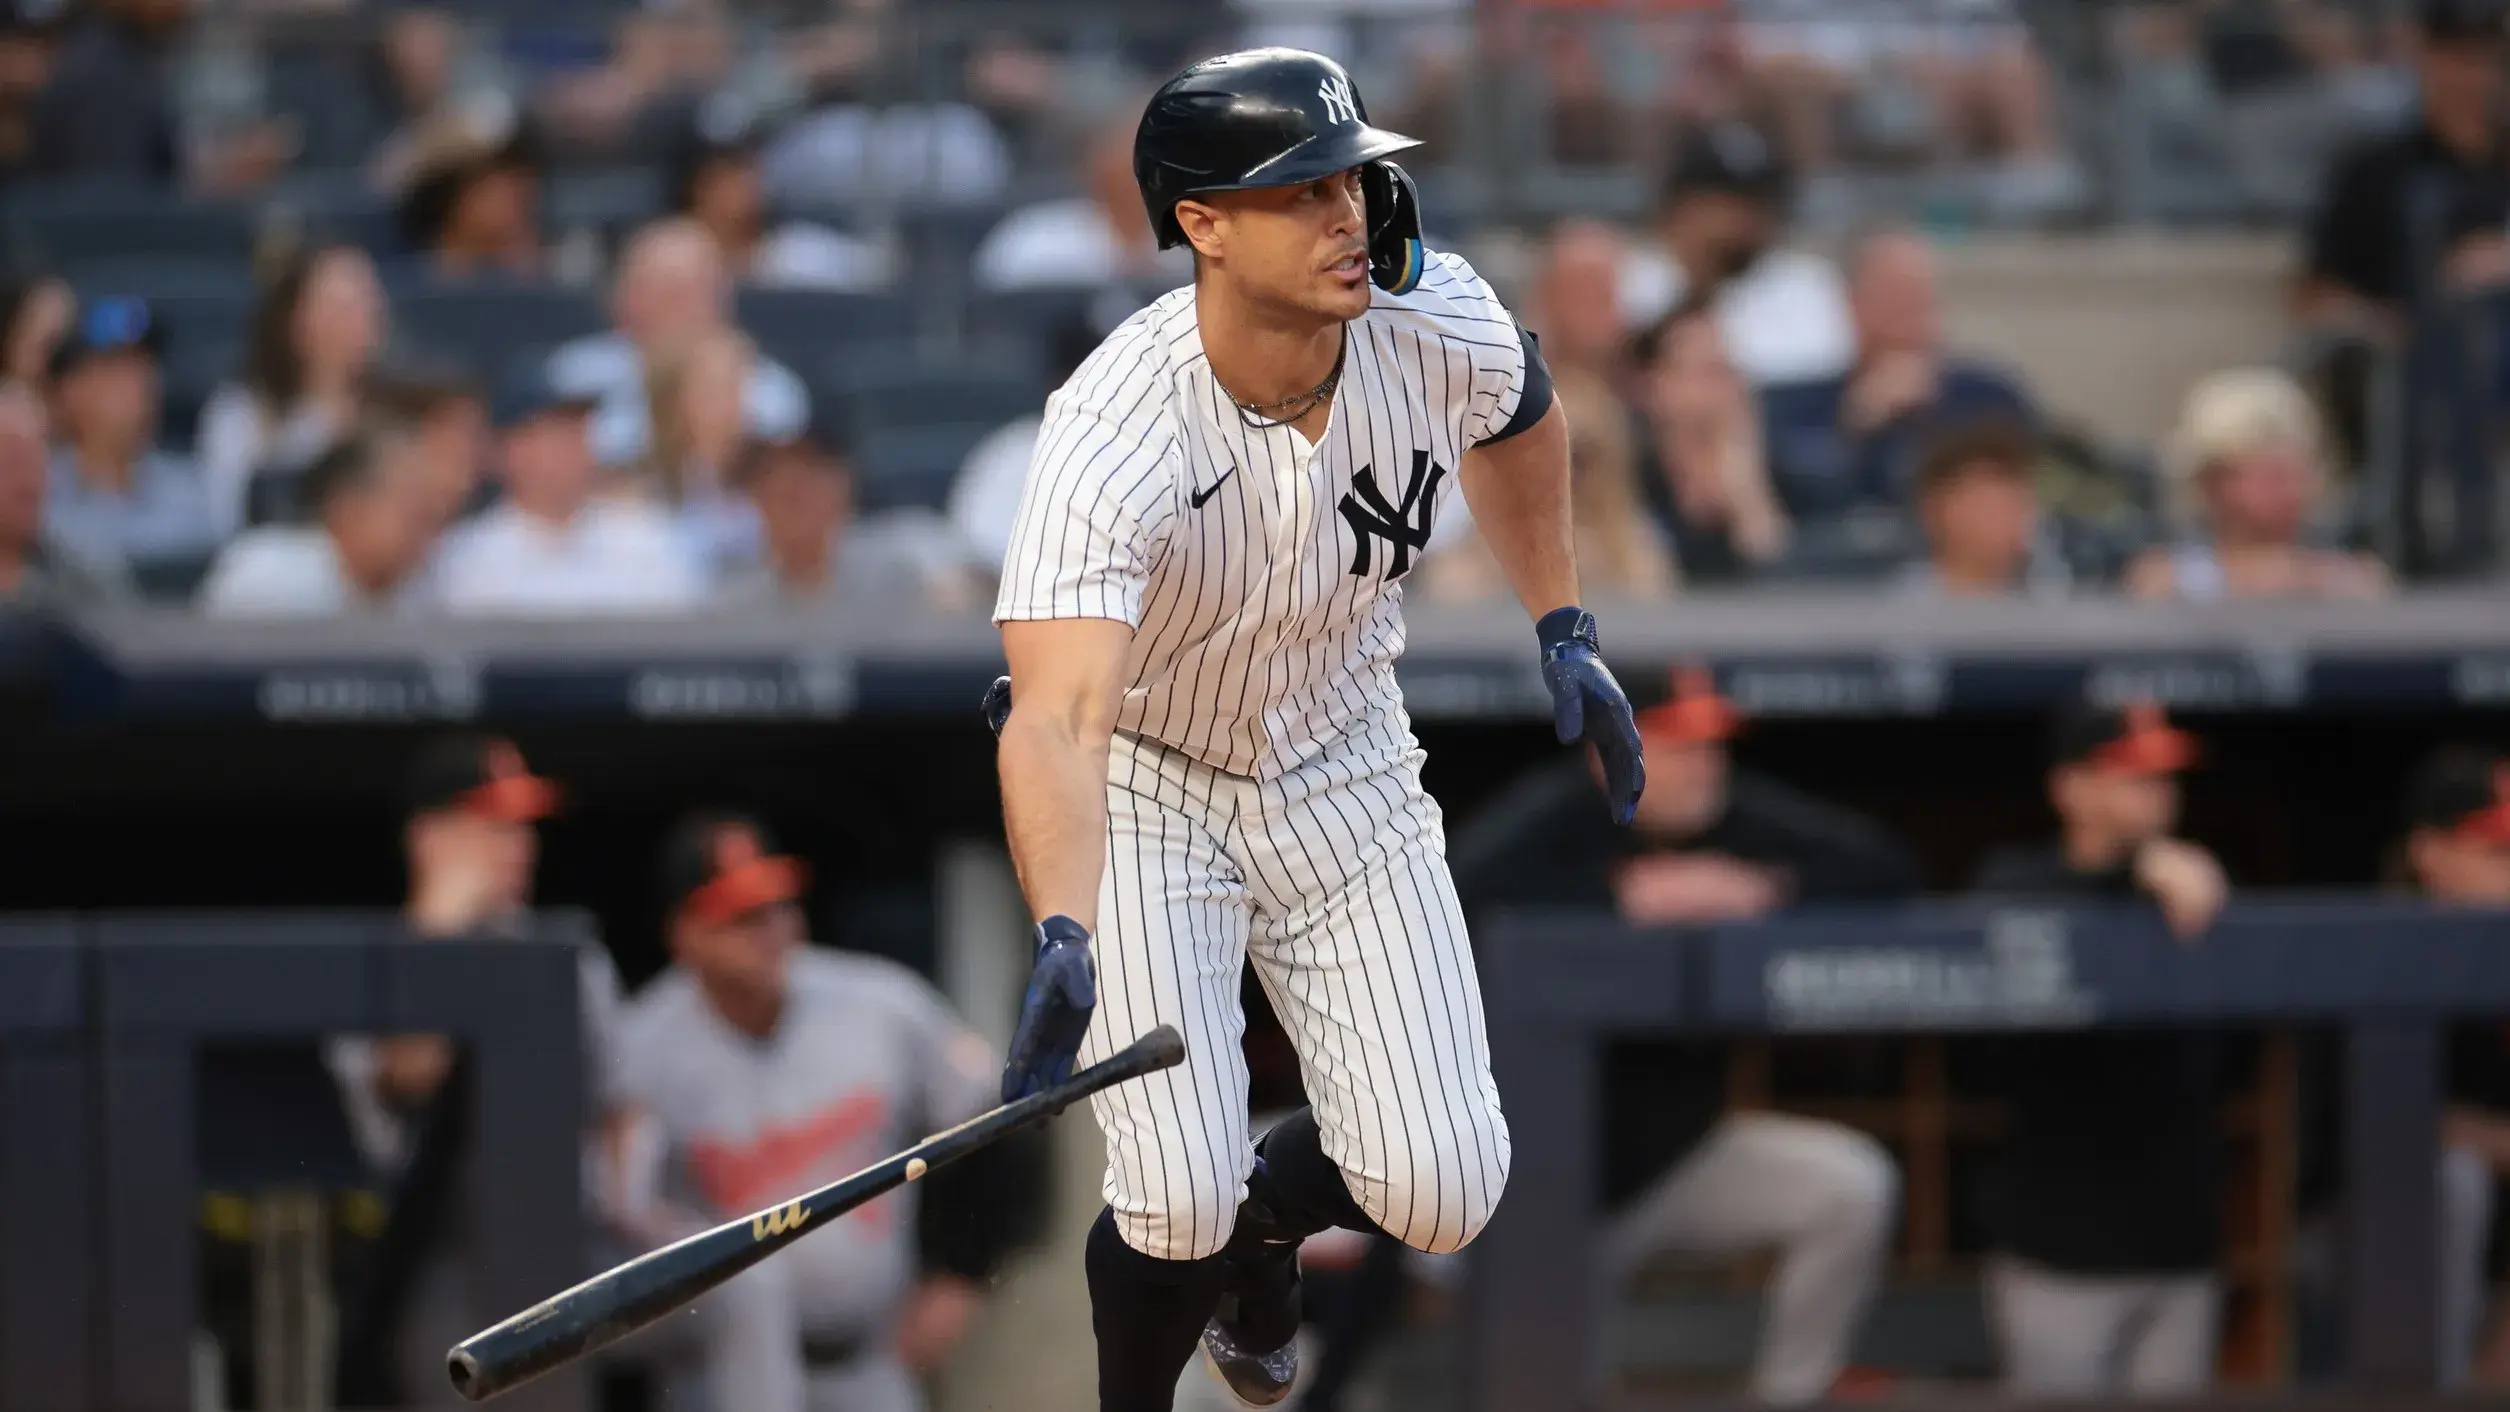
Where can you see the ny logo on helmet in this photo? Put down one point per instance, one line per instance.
(1340, 106)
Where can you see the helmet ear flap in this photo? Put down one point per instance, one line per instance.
(1396, 258)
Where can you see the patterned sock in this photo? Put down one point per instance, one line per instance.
(1149, 1315)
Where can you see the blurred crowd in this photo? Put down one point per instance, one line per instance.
(317, 310)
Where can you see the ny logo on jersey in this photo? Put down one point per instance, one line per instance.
(1371, 517)
(1340, 106)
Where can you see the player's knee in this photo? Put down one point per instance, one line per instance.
(1863, 1185)
(1186, 1223)
(1442, 1198)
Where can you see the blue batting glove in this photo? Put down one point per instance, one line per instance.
(1587, 704)
(1062, 990)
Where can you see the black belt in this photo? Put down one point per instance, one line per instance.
(829, 1353)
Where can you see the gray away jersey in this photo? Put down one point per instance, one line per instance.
(1262, 577)
(866, 1059)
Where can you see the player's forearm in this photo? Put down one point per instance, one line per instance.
(1054, 807)
(1519, 493)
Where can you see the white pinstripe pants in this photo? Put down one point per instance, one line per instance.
(1333, 880)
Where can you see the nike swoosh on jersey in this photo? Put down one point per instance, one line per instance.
(1207, 492)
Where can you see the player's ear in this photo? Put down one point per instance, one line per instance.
(1202, 226)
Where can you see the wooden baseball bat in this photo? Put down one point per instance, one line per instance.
(618, 1302)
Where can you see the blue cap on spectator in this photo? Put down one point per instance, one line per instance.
(114, 324)
(529, 391)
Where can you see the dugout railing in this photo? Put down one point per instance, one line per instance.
(103, 1023)
(2388, 977)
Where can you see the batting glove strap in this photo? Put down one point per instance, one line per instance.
(1587, 704)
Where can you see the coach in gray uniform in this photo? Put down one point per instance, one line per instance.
(758, 1067)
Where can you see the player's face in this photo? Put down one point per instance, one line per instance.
(746, 954)
(2471, 872)
(1686, 785)
(1296, 247)
(2122, 804)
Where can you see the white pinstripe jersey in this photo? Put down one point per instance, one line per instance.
(1262, 576)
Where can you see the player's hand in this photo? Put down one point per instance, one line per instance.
(1062, 990)
(2185, 881)
(1587, 704)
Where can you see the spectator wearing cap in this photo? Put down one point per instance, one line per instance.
(1702, 455)
(35, 315)
(34, 568)
(371, 526)
(552, 547)
(693, 400)
(818, 551)
(713, 177)
(1846, 445)
(2248, 477)
(759, 1066)
(1722, 212)
(2420, 214)
(671, 289)
(2108, 1214)
(314, 337)
(114, 493)
(2456, 852)
(471, 842)
(1101, 237)
(1714, 843)
(1978, 507)
(470, 184)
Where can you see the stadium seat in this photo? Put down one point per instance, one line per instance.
(605, 199)
(484, 324)
(70, 227)
(798, 327)
(173, 579)
(912, 466)
(1028, 316)
(922, 395)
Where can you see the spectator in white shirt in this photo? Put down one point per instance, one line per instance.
(551, 548)
(371, 531)
(1103, 237)
(819, 553)
(713, 176)
(1784, 312)
(314, 335)
(985, 494)
(671, 288)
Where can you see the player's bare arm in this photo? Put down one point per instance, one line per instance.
(1053, 760)
(1518, 490)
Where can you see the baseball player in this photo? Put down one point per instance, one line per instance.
(757, 1067)
(1209, 761)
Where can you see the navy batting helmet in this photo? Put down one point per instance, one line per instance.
(1276, 117)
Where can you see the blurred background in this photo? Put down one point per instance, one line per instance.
(498, 506)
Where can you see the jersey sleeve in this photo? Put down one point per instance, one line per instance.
(1100, 494)
(1473, 315)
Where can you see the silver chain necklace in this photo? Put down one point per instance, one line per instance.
(1264, 416)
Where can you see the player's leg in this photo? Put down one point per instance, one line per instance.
(2060, 1334)
(1823, 1195)
(1172, 920)
(2172, 1352)
(1361, 947)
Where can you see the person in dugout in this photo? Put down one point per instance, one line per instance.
(759, 1066)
